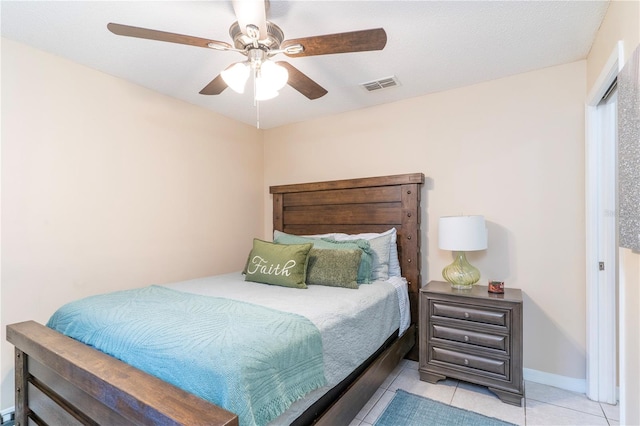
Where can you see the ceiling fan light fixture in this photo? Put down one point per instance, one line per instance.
(259, 40)
(264, 93)
(264, 88)
(236, 76)
(273, 75)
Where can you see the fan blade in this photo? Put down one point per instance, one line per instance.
(355, 41)
(128, 31)
(251, 12)
(215, 87)
(302, 83)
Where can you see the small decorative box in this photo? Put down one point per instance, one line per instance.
(496, 286)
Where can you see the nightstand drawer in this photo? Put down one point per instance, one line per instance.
(495, 366)
(486, 340)
(470, 313)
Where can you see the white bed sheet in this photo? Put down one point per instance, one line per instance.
(353, 323)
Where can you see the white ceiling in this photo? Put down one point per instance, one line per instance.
(432, 46)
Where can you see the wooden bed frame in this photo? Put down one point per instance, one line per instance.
(61, 381)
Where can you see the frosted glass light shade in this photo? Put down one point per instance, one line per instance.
(269, 78)
(263, 90)
(236, 76)
(274, 75)
(462, 233)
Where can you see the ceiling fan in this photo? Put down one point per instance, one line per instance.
(259, 40)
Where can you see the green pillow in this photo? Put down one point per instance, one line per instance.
(380, 249)
(278, 264)
(366, 260)
(334, 268)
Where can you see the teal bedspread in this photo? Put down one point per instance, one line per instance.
(251, 360)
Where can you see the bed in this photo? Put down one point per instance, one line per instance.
(62, 381)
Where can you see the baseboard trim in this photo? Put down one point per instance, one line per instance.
(555, 380)
(7, 414)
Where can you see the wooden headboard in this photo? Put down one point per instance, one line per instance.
(353, 206)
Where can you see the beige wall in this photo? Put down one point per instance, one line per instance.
(622, 22)
(510, 149)
(107, 185)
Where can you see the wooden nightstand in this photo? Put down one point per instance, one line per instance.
(472, 335)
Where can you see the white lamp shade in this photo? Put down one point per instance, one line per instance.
(236, 76)
(462, 233)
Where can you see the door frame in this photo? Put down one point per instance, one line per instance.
(602, 317)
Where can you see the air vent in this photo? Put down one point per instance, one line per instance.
(383, 83)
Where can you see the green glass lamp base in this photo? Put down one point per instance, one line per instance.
(461, 274)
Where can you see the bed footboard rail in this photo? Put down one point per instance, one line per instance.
(62, 381)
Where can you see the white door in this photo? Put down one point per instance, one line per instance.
(602, 247)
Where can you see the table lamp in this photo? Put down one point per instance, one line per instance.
(461, 234)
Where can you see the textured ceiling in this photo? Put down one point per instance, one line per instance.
(432, 46)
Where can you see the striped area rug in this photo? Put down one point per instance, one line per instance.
(407, 409)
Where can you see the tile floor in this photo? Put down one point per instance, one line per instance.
(543, 405)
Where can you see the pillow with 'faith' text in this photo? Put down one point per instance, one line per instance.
(278, 264)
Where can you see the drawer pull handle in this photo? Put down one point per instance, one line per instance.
(466, 338)
(466, 314)
(466, 362)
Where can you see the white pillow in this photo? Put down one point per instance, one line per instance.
(319, 236)
(393, 263)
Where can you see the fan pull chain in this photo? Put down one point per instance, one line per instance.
(255, 86)
(257, 115)
(256, 103)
